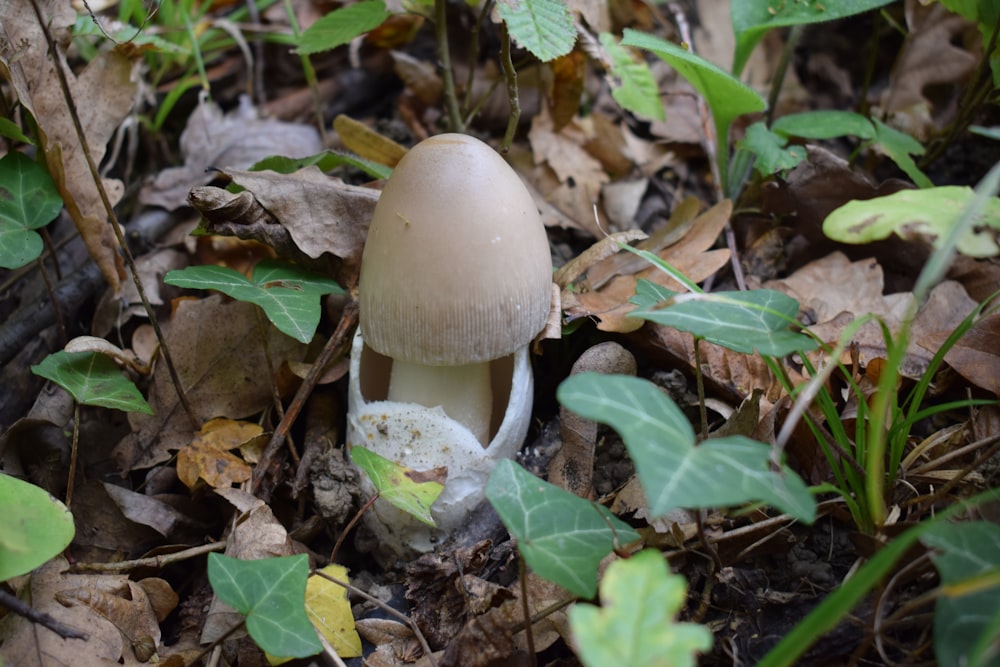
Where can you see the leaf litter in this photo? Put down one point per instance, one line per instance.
(237, 369)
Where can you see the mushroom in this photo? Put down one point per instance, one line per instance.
(455, 283)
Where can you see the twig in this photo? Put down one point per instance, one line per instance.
(336, 346)
(21, 608)
(112, 216)
(444, 62)
(511, 75)
(154, 562)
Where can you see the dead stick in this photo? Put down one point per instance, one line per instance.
(335, 346)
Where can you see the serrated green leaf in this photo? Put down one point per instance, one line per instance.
(543, 27)
(271, 593)
(34, 527)
(407, 489)
(751, 321)
(673, 471)
(636, 623)
(342, 25)
(928, 215)
(636, 89)
(966, 616)
(726, 96)
(28, 200)
(773, 155)
(288, 295)
(562, 537)
(752, 18)
(92, 379)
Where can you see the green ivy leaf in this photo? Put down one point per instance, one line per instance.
(562, 537)
(543, 27)
(34, 527)
(673, 471)
(636, 90)
(271, 593)
(927, 214)
(28, 200)
(636, 623)
(92, 379)
(966, 616)
(409, 490)
(752, 18)
(751, 321)
(288, 295)
(342, 25)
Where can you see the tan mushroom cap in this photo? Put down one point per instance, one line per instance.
(456, 268)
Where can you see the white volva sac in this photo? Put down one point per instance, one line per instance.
(455, 282)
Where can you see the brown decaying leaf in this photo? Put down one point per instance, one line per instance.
(102, 95)
(365, 142)
(219, 356)
(212, 139)
(976, 356)
(566, 88)
(208, 456)
(618, 274)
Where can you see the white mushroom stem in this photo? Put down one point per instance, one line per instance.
(463, 392)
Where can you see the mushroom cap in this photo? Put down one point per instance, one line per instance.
(456, 268)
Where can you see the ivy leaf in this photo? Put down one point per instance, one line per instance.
(562, 537)
(34, 527)
(543, 27)
(288, 295)
(28, 200)
(755, 320)
(411, 491)
(636, 625)
(271, 594)
(673, 471)
(92, 379)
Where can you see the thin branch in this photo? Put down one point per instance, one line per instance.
(444, 62)
(21, 608)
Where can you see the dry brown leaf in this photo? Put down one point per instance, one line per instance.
(564, 96)
(208, 457)
(148, 511)
(105, 607)
(976, 356)
(237, 141)
(102, 95)
(220, 359)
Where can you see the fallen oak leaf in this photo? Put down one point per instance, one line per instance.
(207, 456)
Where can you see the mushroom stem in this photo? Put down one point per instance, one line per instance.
(463, 392)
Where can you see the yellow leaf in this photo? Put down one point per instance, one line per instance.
(329, 610)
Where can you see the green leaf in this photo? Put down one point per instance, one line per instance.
(34, 527)
(543, 27)
(28, 200)
(673, 471)
(636, 89)
(326, 161)
(988, 132)
(92, 379)
(288, 295)
(752, 18)
(726, 96)
(824, 125)
(407, 489)
(752, 321)
(967, 615)
(10, 130)
(562, 537)
(899, 146)
(918, 214)
(769, 147)
(271, 593)
(636, 625)
(342, 25)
